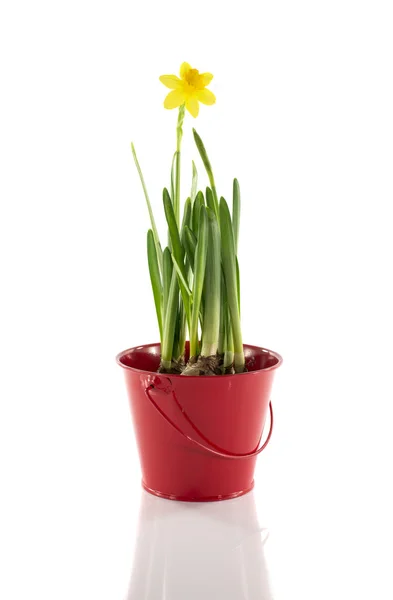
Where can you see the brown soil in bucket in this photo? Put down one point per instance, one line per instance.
(177, 367)
(199, 366)
(204, 365)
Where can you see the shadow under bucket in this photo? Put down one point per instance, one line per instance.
(198, 437)
(204, 551)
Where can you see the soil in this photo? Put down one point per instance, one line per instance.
(204, 365)
(177, 367)
(197, 366)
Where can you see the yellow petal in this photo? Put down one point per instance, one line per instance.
(171, 81)
(206, 97)
(192, 105)
(207, 77)
(174, 99)
(185, 67)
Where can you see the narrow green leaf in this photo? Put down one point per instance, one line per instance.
(208, 167)
(236, 212)
(238, 281)
(223, 311)
(155, 278)
(196, 209)
(194, 185)
(199, 277)
(181, 276)
(212, 289)
(229, 266)
(149, 208)
(176, 337)
(170, 322)
(167, 275)
(229, 349)
(177, 250)
(203, 154)
(182, 333)
(172, 225)
(210, 199)
(190, 243)
(186, 218)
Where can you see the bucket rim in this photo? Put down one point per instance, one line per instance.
(251, 347)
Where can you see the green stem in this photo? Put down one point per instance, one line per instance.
(173, 176)
(179, 135)
(194, 185)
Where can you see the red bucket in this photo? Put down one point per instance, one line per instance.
(199, 437)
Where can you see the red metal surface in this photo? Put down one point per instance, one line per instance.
(189, 430)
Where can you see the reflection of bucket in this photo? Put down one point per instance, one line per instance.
(197, 436)
(209, 551)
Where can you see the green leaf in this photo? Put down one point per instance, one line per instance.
(196, 209)
(167, 276)
(155, 277)
(210, 199)
(149, 208)
(223, 311)
(236, 212)
(212, 289)
(203, 154)
(229, 350)
(180, 334)
(190, 242)
(199, 277)
(228, 257)
(170, 322)
(208, 167)
(238, 281)
(177, 249)
(186, 218)
(181, 276)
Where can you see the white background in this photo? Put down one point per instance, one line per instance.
(304, 120)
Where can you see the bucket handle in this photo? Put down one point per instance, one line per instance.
(216, 451)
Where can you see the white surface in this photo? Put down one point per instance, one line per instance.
(304, 120)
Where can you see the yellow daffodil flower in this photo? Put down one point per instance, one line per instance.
(189, 89)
